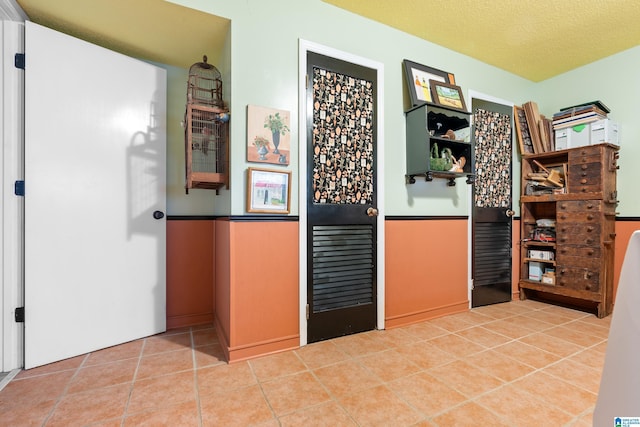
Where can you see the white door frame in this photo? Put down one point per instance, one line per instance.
(304, 47)
(472, 94)
(11, 214)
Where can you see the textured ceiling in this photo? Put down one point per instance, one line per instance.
(535, 39)
(154, 30)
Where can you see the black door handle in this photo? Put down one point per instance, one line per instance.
(158, 214)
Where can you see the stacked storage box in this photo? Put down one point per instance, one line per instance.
(585, 124)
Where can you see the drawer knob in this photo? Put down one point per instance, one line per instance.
(589, 217)
(563, 206)
(590, 241)
(587, 287)
(583, 167)
(590, 252)
(589, 206)
(583, 181)
(590, 229)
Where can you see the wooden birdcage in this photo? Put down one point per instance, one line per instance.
(205, 85)
(206, 130)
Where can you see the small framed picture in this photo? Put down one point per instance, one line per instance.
(418, 77)
(448, 95)
(268, 191)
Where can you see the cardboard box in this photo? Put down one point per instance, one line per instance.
(535, 271)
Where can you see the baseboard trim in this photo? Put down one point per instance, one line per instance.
(422, 315)
(184, 321)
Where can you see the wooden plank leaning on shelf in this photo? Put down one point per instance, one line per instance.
(533, 119)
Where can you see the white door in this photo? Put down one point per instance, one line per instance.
(94, 181)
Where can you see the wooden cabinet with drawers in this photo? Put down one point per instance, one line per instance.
(568, 226)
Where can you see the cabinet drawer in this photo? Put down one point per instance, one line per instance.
(577, 278)
(583, 235)
(592, 263)
(584, 153)
(581, 206)
(583, 252)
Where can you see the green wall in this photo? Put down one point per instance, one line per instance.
(262, 65)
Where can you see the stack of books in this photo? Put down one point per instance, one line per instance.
(580, 114)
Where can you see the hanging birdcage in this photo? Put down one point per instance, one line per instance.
(205, 85)
(206, 130)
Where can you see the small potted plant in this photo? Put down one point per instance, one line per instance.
(275, 123)
(262, 144)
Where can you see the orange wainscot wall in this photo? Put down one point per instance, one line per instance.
(426, 269)
(257, 295)
(190, 272)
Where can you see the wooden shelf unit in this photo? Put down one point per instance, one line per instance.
(584, 217)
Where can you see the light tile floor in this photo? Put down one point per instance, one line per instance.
(522, 363)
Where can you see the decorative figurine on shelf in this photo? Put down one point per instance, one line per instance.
(458, 165)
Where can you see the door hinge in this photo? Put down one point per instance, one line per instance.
(306, 81)
(19, 60)
(18, 188)
(307, 311)
(19, 315)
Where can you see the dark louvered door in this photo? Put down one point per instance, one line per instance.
(341, 202)
(492, 211)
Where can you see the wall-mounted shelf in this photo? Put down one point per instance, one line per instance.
(448, 128)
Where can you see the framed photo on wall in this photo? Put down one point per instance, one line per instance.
(418, 77)
(268, 191)
(447, 94)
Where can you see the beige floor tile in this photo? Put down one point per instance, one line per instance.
(472, 415)
(576, 374)
(294, 392)
(500, 366)
(389, 365)
(424, 330)
(522, 408)
(456, 345)
(427, 394)
(182, 414)
(557, 393)
(209, 355)
(466, 378)
(426, 355)
(63, 365)
(80, 409)
(27, 413)
(276, 365)
(527, 354)
(346, 377)
(240, 407)
(567, 312)
(483, 336)
(359, 345)
(130, 350)
(379, 406)
(494, 311)
(204, 337)
(32, 390)
(576, 336)
(453, 322)
(164, 363)
(164, 343)
(589, 328)
(103, 375)
(590, 357)
(321, 354)
(530, 323)
(328, 414)
(394, 337)
(508, 328)
(162, 391)
(552, 344)
(551, 317)
(221, 378)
